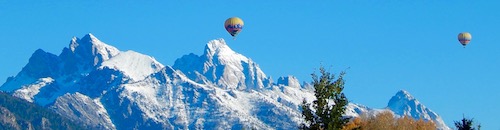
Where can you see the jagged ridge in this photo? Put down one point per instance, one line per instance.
(220, 89)
(219, 64)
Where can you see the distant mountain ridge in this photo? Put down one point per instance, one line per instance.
(403, 103)
(96, 84)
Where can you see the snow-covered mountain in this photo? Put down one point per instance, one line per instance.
(221, 65)
(97, 85)
(405, 104)
(401, 104)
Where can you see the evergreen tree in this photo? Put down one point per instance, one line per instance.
(330, 103)
(466, 124)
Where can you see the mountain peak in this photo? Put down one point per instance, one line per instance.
(88, 39)
(41, 64)
(219, 50)
(89, 36)
(223, 66)
(403, 94)
(402, 100)
(92, 40)
(216, 44)
(39, 52)
(220, 47)
(88, 51)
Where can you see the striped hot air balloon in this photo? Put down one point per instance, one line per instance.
(464, 38)
(233, 26)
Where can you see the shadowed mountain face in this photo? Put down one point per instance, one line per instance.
(19, 114)
(95, 84)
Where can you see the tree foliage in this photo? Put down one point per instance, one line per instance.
(330, 103)
(466, 124)
(354, 124)
(387, 121)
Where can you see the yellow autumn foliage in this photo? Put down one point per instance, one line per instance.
(387, 121)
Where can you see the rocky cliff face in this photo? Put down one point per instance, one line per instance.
(18, 114)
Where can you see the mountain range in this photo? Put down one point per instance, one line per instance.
(97, 85)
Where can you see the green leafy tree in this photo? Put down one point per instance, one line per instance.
(327, 91)
(466, 124)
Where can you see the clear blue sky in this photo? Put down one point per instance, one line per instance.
(384, 45)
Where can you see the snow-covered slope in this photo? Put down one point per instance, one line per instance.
(199, 106)
(84, 110)
(135, 65)
(101, 87)
(28, 92)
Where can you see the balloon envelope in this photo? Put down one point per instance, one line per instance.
(233, 25)
(464, 38)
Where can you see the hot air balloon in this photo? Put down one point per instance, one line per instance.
(233, 26)
(464, 38)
